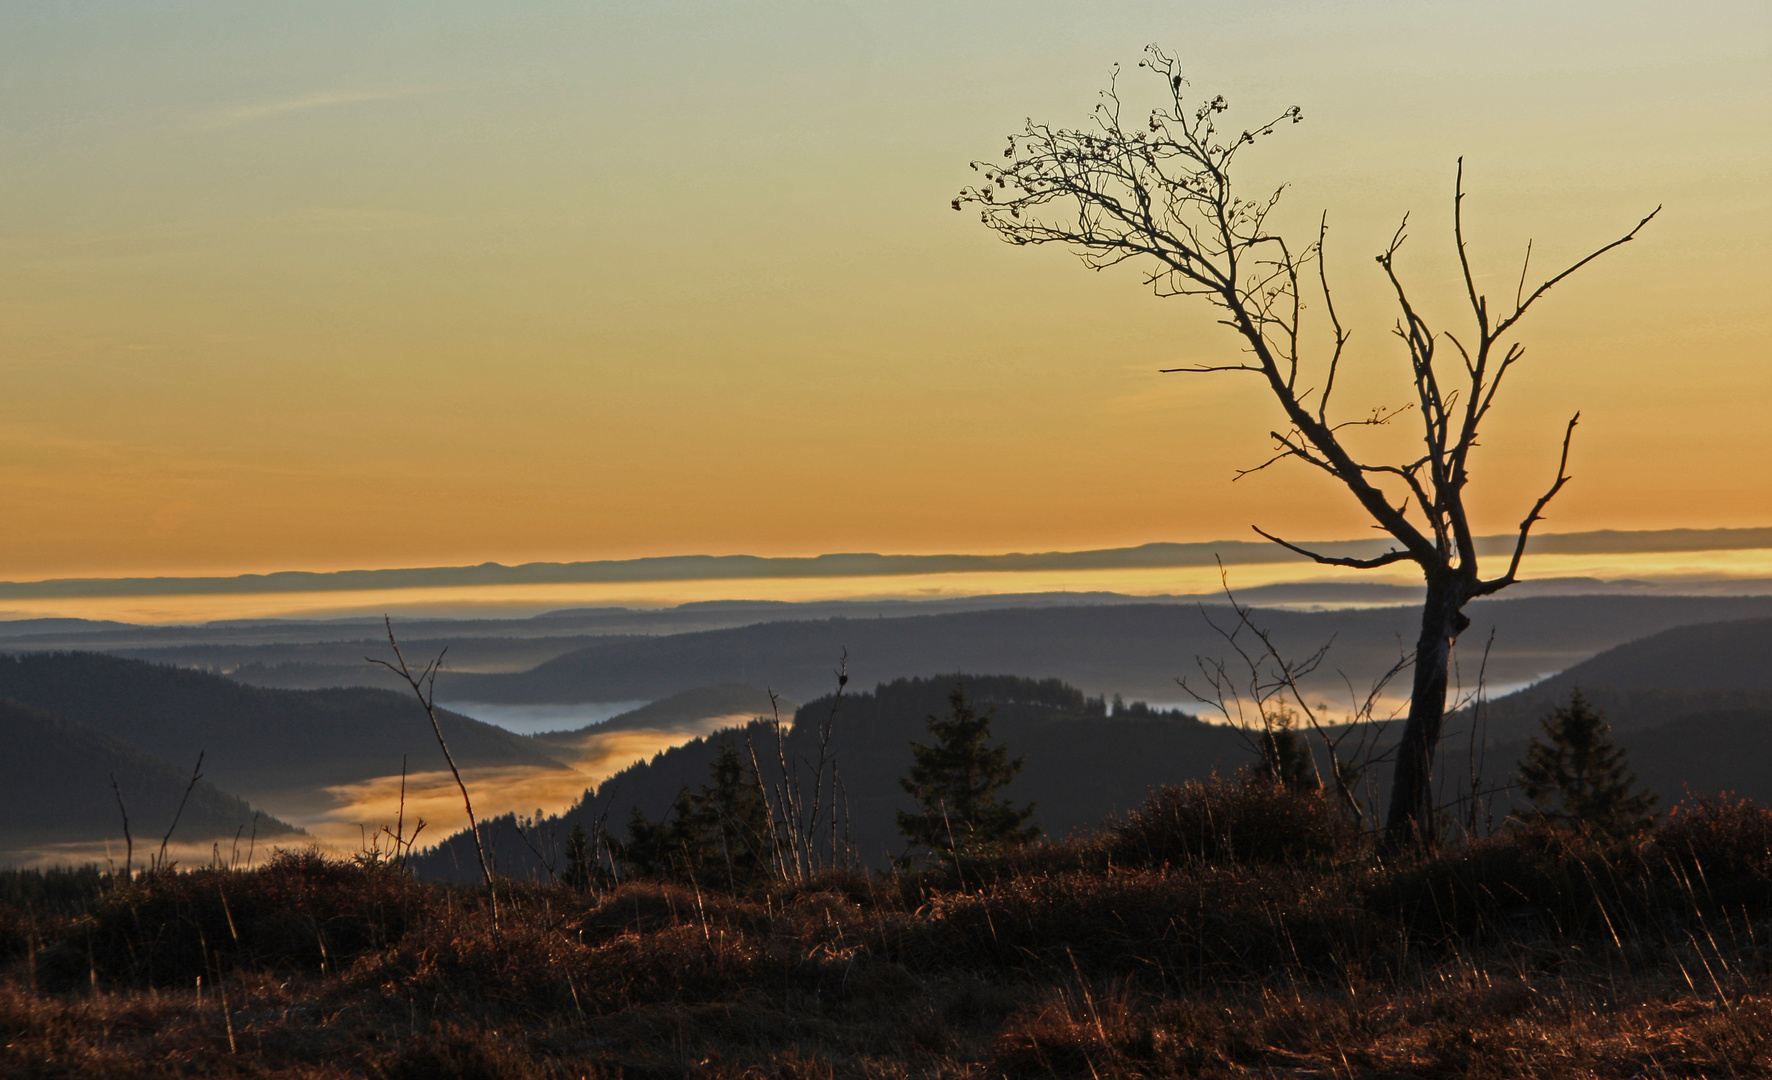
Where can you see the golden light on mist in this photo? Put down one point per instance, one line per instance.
(359, 811)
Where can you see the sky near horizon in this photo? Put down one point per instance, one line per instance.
(325, 286)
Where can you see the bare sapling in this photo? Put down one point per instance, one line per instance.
(128, 840)
(160, 862)
(1474, 807)
(539, 836)
(1263, 698)
(424, 687)
(824, 776)
(778, 799)
(391, 845)
(797, 817)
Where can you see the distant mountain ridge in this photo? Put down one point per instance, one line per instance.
(1134, 648)
(859, 564)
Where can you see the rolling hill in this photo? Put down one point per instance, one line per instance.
(1655, 679)
(259, 742)
(1081, 764)
(55, 788)
(1136, 648)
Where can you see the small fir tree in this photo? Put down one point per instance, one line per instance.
(955, 783)
(1285, 754)
(718, 835)
(1577, 776)
(581, 868)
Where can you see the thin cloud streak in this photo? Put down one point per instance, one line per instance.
(248, 113)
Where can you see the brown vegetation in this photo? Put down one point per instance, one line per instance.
(1227, 929)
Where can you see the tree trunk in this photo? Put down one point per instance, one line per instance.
(1410, 818)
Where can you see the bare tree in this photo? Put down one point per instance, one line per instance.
(424, 687)
(1261, 697)
(804, 840)
(1158, 194)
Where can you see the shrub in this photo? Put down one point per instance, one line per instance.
(1247, 819)
(1724, 847)
(302, 912)
(1208, 924)
(1576, 880)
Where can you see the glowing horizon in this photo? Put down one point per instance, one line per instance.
(1744, 570)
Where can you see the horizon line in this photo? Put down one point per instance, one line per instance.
(662, 568)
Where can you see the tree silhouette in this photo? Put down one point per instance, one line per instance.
(1157, 193)
(1577, 776)
(955, 782)
(719, 834)
(581, 863)
(1285, 755)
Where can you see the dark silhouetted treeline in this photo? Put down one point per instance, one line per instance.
(1082, 763)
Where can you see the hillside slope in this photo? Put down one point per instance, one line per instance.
(1732, 655)
(55, 788)
(257, 741)
(1654, 680)
(1703, 754)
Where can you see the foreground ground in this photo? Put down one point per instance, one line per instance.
(1226, 931)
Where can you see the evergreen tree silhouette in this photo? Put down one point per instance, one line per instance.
(1577, 776)
(581, 864)
(955, 781)
(718, 835)
(1285, 755)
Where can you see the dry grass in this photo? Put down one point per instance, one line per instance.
(1131, 954)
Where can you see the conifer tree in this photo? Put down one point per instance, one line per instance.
(1285, 755)
(718, 835)
(955, 782)
(581, 868)
(1577, 776)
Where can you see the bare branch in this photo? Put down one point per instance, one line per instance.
(1395, 555)
(1520, 289)
(1202, 369)
(1537, 514)
(1506, 324)
(159, 861)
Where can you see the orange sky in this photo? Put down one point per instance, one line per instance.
(374, 285)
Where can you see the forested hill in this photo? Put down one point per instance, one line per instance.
(1691, 706)
(55, 788)
(256, 741)
(1654, 680)
(1081, 763)
(1733, 655)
